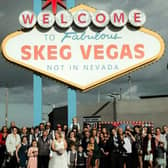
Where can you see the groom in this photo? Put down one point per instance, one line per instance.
(43, 150)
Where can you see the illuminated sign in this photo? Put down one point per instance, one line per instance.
(83, 58)
(82, 18)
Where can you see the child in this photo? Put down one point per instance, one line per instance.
(72, 156)
(81, 158)
(32, 154)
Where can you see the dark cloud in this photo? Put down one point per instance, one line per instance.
(149, 80)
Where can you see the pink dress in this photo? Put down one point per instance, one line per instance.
(32, 154)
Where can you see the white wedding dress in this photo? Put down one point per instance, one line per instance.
(57, 160)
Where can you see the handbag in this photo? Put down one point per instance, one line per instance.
(148, 157)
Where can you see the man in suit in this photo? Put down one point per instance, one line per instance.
(114, 147)
(43, 150)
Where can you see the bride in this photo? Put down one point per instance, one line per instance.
(59, 153)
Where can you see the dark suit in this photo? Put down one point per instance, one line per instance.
(115, 147)
(43, 154)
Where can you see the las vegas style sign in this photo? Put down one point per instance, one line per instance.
(83, 47)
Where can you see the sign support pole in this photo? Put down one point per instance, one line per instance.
(71, 105)
(37, 81)
(71, 92)
(70, 3)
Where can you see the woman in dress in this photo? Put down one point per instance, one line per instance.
(95, 135)
(149, 150)
(59, 153)
(93, 154)
(32, 154)
(72, 139)
(21, 153)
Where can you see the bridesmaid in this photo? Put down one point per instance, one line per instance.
(32, 155)
(21, 153)
(93, 154)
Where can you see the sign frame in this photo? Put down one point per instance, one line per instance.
(102, 80)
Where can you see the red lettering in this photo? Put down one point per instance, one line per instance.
(79, 18)
(139, 51)
(28, 19)
(45, 18)
(119, 18)
(68, 52)
(62, 19)
(25, 50)
(98, 51)
(112, 54)
(137, 17)
(126, 51)
(52, 52)
(111, 51)
(100, 18)
(38, 52)
(85, 54)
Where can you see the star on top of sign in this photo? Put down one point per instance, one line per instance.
(54, 5)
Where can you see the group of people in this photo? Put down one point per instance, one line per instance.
(42, 147)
